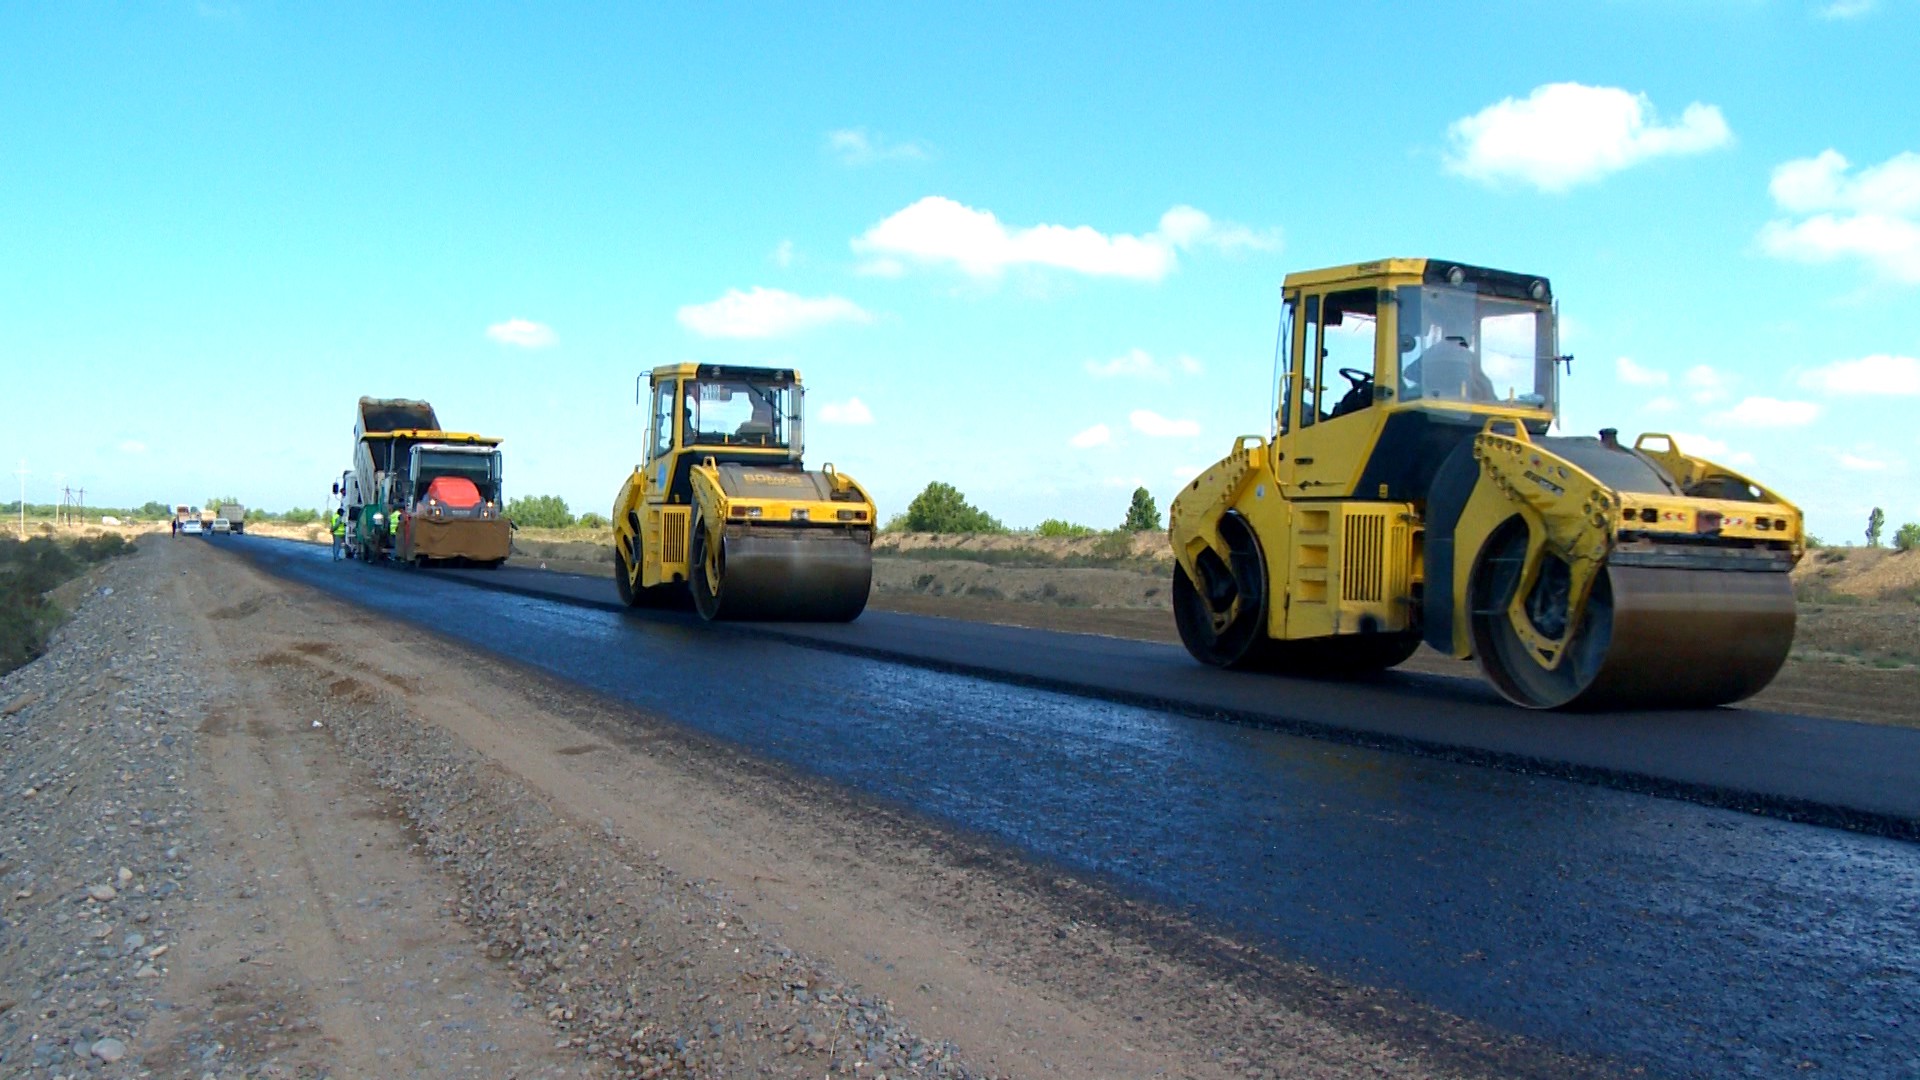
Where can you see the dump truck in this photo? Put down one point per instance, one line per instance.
(1410, 490)
(724, 510)
(418, 495)
(235, 516)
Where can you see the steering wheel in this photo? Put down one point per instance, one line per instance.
(1357, 377)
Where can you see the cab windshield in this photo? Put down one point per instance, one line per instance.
(483, 468)
(1458, 345)
(741, 412)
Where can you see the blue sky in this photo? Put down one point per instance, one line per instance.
(1031, 250)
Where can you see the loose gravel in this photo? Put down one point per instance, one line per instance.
(637, 971)
(98, 831)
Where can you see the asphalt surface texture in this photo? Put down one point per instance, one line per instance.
(1660, 936)
(1812, 769)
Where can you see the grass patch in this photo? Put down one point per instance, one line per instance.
(27, 571)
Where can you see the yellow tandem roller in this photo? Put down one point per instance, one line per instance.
(1411, 492)
(723, 510)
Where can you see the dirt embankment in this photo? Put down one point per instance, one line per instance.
(1859, 606)
(253, 833)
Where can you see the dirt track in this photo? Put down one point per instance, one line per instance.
(408, 860)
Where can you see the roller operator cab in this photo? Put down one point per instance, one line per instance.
(1411, 492)
(724, 510)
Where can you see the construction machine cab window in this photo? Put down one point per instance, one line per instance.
(663, 398)
(738, 412)
(482, 469)
(1459, 345)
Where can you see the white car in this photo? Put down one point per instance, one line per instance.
(222, 525)
(190, 528)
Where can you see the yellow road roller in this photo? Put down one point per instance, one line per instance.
(1411, 492)
(723, 508)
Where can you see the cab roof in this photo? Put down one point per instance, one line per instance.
(1385, 272)
(725, 371)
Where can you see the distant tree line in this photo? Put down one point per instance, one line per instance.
(942, 508)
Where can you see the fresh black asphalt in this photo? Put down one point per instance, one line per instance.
(1830, 772)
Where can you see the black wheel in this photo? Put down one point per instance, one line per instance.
(1222, 617)
(1509, 663)
(622, 577)
(706, 573)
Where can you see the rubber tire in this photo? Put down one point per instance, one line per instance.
(706, 600)
(622, 578)
(1244, 643)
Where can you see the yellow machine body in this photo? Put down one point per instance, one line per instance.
(1426, 501)
(723, 510)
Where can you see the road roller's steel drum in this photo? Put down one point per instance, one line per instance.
(814, 575)
(1654, 637)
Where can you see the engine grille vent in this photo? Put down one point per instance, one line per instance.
(1362, 555)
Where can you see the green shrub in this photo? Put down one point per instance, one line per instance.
(592, 521)
(942, 509)
(1054, 527)
(27, 571)
(300, 516)
(1114, 546)
(540, 511)
(1907, 538)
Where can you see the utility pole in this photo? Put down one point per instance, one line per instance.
(80, 508)
(23, 498)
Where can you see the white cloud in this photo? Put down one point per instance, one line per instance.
(1661, 404)
(1705, 385)
(1807, 185)
(522, 332)
(1769, 412)
(1873, 215)
(1139, 363)
(1876, 374)
(133, 446)
(855, 147)
(940, 231)
(782, 255)
(1097, 435)
(851, 411)
(1863, 464)
(1150, 423)
(1711, 449)
(1567, 134)
(1848, 9)
(1131, 362)
(1186, 228)
(1634, 375)
(765, 313)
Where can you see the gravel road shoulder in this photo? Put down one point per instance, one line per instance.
(256, 835)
